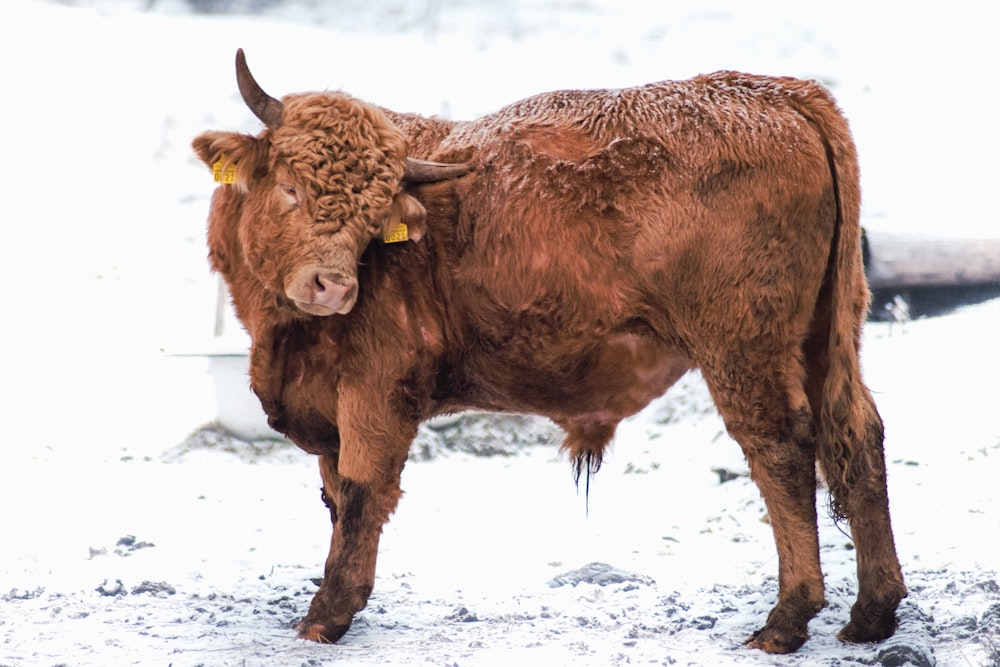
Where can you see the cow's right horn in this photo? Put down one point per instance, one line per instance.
(424, 171)
(263, 105)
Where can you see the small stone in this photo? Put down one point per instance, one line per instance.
(109, 589)
(726, 475)
(23, 594)
(463, 615)
(905, 655)
(600, 574)
(157, 588)
(704, 622)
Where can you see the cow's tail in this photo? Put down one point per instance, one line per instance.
(849, 428)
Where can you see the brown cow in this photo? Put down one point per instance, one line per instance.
(571, 255)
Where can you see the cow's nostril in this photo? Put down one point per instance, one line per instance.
(325, 282)
(330, 290)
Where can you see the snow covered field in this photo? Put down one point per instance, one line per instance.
(131, 535)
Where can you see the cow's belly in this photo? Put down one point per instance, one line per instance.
(608, 382)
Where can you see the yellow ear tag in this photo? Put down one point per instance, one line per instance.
(397, 234)
(225, 176)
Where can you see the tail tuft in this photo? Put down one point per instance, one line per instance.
(586, 462)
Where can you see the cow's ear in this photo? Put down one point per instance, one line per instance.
(406, 220)
(234, 158)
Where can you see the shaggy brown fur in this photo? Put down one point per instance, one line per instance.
(606, 243)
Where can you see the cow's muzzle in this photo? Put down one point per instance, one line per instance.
(320, 292)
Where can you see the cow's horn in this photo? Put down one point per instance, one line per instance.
(423, 171)
(263, 105)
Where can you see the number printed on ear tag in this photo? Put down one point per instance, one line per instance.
(397, 234)
(225, 176)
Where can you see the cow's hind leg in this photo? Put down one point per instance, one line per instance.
(855, 473)
(852, 460)
(766, 411)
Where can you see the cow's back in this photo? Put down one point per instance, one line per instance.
(678, 205)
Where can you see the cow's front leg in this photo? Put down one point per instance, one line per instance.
(361, 486)
(357, 511)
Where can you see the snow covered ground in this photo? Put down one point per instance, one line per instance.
(131, 535)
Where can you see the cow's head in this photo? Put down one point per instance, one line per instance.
(319, 183)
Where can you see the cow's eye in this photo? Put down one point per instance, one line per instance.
(290, 193)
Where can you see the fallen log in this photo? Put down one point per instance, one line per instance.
(900, 261)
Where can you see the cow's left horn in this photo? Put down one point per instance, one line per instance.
(263, 105)
(424, 171)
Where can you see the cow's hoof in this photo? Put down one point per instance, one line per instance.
(862, 630)
(321, 632)
(776, 640)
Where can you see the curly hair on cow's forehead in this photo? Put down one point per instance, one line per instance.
(346, 153)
